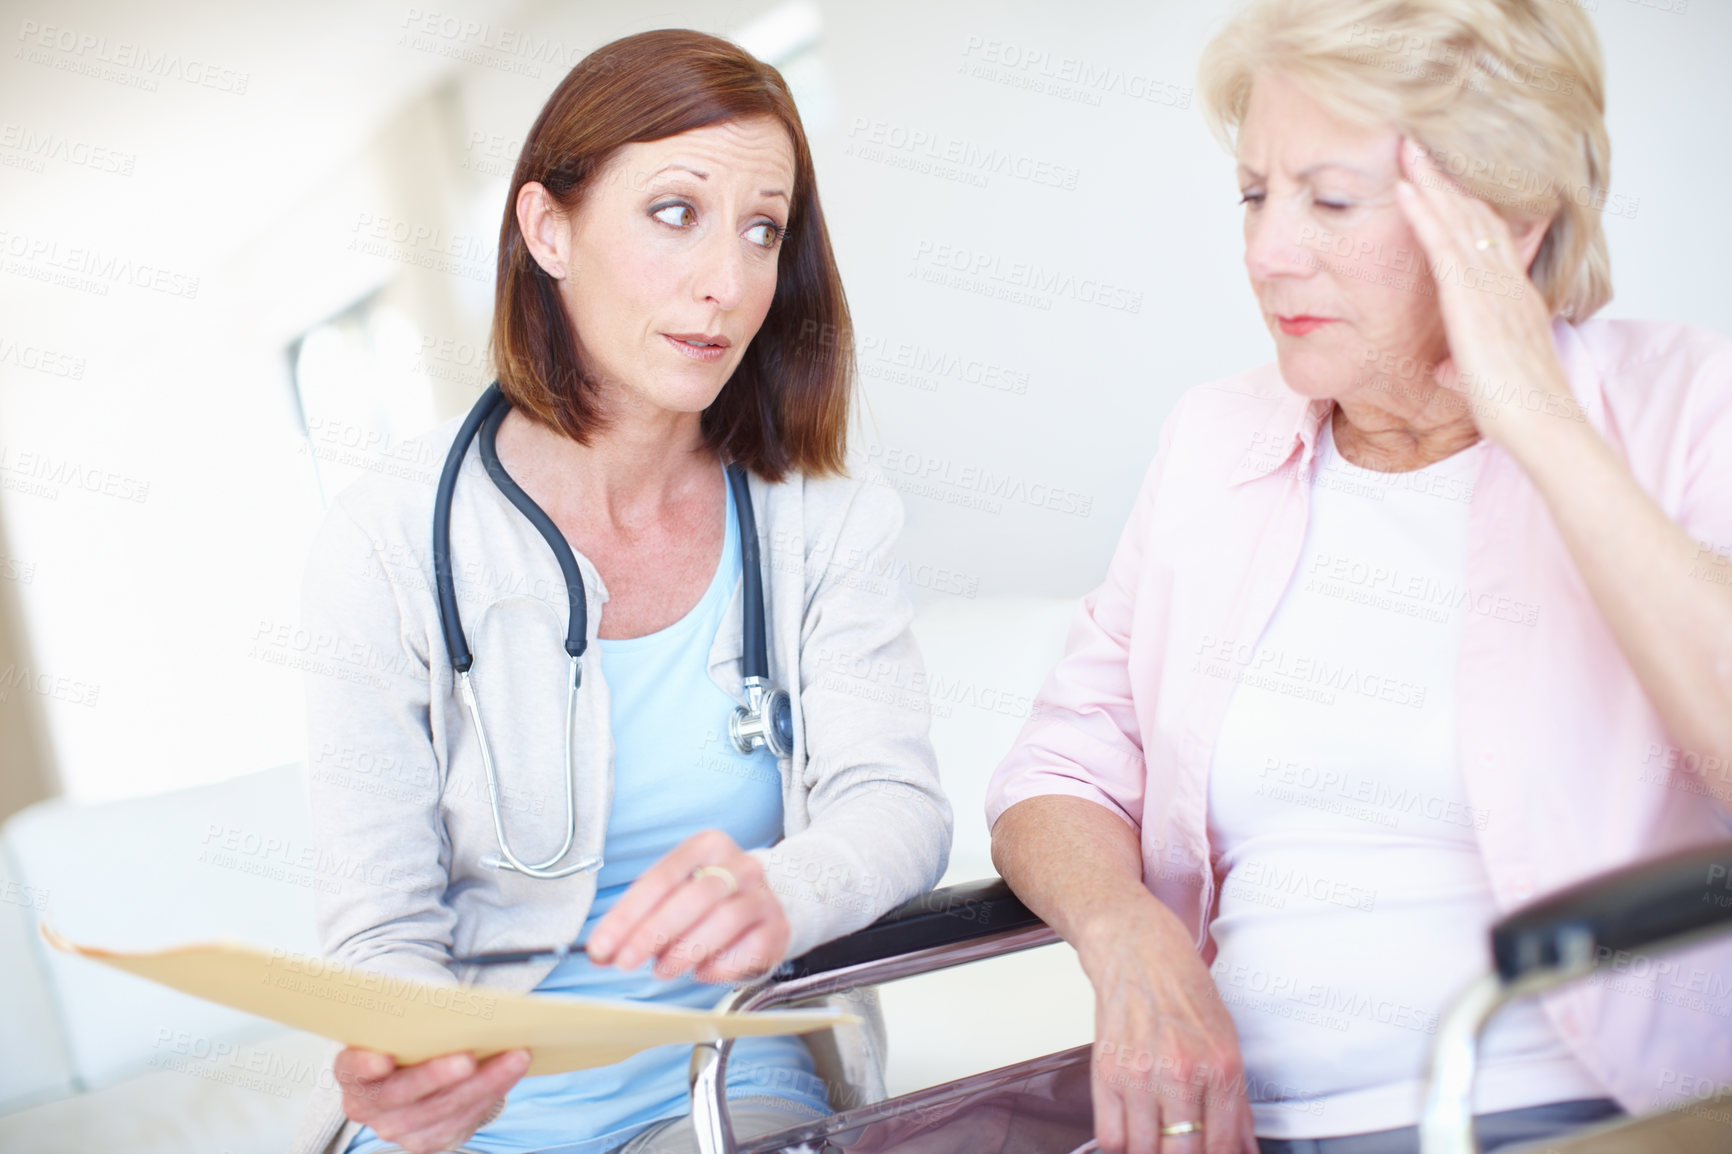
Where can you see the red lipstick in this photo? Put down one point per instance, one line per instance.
(1299, 326)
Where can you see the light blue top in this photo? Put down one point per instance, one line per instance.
(675, 772)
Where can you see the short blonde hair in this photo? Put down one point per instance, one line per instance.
(1508, 96)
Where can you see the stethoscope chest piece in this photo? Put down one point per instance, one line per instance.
(766, 719)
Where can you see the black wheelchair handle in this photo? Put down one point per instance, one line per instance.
(947, 917)
(1647, 905)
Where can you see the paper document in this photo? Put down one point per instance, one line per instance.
(413, 1020)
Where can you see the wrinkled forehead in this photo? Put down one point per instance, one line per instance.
(1288, 129)
(754, 152)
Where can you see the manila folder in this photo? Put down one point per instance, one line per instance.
(413, 1020)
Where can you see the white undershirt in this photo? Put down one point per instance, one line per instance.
(1355, 905)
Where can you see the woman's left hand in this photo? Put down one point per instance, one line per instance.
(705, 907)
(1671, 616)
(1502, 361)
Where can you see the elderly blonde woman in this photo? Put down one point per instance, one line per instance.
(1425, 620)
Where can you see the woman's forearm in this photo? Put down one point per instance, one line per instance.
(1655, 587)
(1081, 869)
(1664, 595)
(1165, 1046)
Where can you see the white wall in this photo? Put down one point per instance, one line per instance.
(146, 595)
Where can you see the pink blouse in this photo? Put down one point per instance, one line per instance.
(1561, 751)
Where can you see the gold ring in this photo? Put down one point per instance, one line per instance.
(1178, 1128)
(1484, 243)
(715, 871)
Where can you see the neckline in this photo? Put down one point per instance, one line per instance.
(1463, 462)
(725, 566)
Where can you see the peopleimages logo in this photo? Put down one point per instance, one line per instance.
(911, 470)
(370, 989)
(44, 473)
(87, 268)
(935, 262)
(36, 147)
(881, 140)
(1065, 77)
(930, 363)
(41, 360)
(137, 65)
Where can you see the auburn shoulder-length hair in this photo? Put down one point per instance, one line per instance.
(786, 406)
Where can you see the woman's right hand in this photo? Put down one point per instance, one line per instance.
(428, 1107)
(1166, 1051)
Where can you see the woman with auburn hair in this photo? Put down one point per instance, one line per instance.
(1426, 620)
(591, 644)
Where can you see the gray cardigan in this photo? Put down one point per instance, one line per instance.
(399, 798)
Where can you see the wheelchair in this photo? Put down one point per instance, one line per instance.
(1042, 1106)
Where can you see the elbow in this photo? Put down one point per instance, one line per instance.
(1712, 738)
(1002, 846)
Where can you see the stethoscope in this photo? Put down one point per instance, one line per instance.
(767, 718)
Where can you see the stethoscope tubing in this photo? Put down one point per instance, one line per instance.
(482, 423)
(755, 661)
(456, 645)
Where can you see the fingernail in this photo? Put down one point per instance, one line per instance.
(456, 1066)
(519, 1061)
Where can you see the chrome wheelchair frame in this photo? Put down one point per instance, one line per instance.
(947, 927)
(1659, 905)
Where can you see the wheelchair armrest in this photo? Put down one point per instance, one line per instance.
(947, 927)
(1657, 903)
(951, 916)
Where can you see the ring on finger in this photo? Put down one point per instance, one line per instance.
(1484, 243)
(1175, 1129)
(716, 871)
